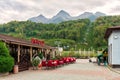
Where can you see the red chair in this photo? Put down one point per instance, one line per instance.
(55, 63)
(50, 63)
(44, 63)
(66, 60)
(61, 62)
(58, 63)
(70, 59)
(74, 59)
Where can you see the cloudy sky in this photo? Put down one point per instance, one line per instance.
(24, 9)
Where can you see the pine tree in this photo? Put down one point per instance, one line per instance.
(6, 61)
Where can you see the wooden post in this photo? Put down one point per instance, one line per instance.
(31, 53)
(18, 53)
(53, 54)
(46, 53)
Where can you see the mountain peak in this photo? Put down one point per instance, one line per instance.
(60, 16)
(62, 12)
(85, 15)
(100, 14)
(41, 15)
(39, 18)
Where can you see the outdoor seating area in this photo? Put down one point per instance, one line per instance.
(50, 64)
(23, 51)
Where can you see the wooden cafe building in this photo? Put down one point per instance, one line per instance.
(22, 50)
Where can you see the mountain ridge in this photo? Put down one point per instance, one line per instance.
(64, 16)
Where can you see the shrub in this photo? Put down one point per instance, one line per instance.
(83, 56)
(6, 61)
(6, 64)
(93, 55)
(65, 54)
(77, 55)
(71, 53)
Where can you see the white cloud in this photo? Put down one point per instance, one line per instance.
(24, 9)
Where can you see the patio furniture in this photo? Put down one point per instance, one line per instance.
(44, 63)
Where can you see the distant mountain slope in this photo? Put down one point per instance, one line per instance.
(90, 16)
(39, 19)
(64, 16)
(85, 15)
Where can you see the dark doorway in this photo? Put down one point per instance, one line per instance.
(24, 60)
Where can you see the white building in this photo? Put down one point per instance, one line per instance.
(113, 36)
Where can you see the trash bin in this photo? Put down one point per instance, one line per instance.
(15, 69)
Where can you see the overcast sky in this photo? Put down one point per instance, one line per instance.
(24, 9)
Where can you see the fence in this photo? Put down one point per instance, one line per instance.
(81, 53)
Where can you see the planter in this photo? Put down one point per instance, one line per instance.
(4, 74)
(40, 66)
(15, 69)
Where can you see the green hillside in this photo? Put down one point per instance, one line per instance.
(70, 34)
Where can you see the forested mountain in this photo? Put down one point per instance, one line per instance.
(81, 33)
(98, 28)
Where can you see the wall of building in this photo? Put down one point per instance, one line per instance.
(110, 44)
(114, 48)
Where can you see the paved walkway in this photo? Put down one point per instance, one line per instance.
(81, 70)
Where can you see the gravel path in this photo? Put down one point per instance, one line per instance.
(81, 70)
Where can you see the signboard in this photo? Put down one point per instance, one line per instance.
(36, 41)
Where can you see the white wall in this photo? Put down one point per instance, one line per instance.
(110, 44)
(114, 56)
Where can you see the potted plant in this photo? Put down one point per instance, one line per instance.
(35, 62)
(40, 55)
